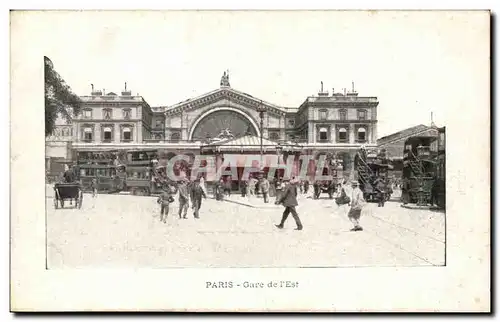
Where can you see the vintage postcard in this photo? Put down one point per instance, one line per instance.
(334, 161)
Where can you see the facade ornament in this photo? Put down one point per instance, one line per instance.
(225, 134)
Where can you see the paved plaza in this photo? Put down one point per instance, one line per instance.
(124, 231)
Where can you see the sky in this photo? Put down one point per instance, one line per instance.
(415, 63)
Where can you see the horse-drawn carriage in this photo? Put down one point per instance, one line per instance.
(68, 191)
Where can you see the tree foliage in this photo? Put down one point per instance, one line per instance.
(59, 98)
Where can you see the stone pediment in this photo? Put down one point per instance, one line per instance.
(224, 93)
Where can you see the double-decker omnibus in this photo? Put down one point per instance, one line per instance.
(102, 166)
(419, 169)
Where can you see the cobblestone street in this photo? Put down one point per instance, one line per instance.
(125, 231)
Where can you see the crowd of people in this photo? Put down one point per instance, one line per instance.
(287, 192)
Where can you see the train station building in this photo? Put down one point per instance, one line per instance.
(223, 121)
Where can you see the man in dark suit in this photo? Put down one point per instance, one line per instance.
(197, 193)
(183, 198)
(289, 201)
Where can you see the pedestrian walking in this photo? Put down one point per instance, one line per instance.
(203, 184)
(380, 188)
(357, 203)
(183, 199)
(228, 186)
(164, 200)
(289, 201)
(93, 186)
(197, 193)
(251, 186)
(279, 189)
(219, 190)
(264, 189)
(306, 186)
(317, 189)
(243, 188)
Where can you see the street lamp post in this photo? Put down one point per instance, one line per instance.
(279, 148)
(261, 109)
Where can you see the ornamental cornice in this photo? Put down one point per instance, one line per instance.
(231, 95)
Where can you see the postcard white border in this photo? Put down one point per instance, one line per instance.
(462, 285)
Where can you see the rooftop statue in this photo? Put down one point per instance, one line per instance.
(224, 81)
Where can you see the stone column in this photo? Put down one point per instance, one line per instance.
(138, 137)
(117, 135)
(97, 133)
(311, 133)
(374, 132)
(352, 134)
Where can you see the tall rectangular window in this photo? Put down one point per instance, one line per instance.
(342, 135)
(342, 115)
(323, 134)
(127, 113)
(361, 134)
(107, 134)
(361, 115)
(126, 134)
(323, 114)
(87, 134)
(87, 114)
(107, 113)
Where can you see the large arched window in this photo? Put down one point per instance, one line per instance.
(222, 123)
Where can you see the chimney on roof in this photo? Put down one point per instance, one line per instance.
(321, 92)
(353, 92)
(94, 92)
